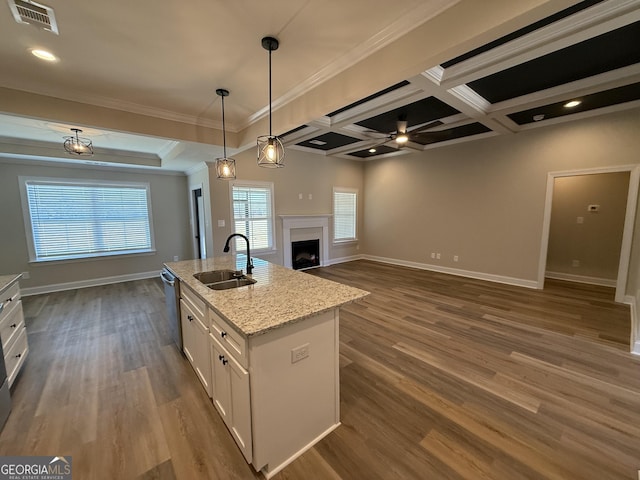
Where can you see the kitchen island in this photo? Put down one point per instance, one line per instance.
(267, 354)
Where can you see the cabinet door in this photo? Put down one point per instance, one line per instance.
(241, 408)
(231, 396)
(201, 359)
(220, 380)
(186, 319)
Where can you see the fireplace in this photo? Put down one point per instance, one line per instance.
(305, 254)
(300, 228)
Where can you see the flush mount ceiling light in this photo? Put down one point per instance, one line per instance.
(78, 145)
(572, 103)
(44, 55)
(225, 167)
(270, 149)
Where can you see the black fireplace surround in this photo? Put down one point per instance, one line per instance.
(305, 254)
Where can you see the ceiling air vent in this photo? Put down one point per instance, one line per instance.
(26, 11)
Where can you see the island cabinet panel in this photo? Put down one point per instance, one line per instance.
(230, 395)
(13, 331)
(195, 336)
(286, 386)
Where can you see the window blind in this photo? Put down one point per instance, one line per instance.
(253, 216)
(72, 220)
(344, 215)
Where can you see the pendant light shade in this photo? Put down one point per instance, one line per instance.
(270, 148)
(225, 167)
(76, 145)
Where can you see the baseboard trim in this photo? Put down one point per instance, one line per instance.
(351, 258)
(569, 277)
(94, 282)
(634, 340)
(519, 282)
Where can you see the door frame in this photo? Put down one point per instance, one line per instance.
(193, 219)
(629, 221)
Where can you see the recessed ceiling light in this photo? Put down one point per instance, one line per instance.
(317, 142)
(538, 117)
(372, 150)
(572, 103)
(44, 55)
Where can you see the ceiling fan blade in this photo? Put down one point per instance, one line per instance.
(426, 127)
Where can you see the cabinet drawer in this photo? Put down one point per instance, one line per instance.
(16, 355)
(195, 302)
(8, 300)
(11, 325)
(235, 343)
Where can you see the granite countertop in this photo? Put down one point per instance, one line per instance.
(6, 280)
(279, 297)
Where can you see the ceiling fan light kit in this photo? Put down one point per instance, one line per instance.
(76, 145)
(270, 148)
(225, 166)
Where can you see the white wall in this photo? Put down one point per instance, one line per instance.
(170, 221)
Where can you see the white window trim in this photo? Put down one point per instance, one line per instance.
(22, 181)
(333, 210)
(254, 183)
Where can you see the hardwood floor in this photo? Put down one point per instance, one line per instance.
(441, 377)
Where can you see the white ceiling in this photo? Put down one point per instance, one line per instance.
(140, 77)
(166, 59)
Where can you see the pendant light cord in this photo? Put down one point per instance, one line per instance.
(224, 132)
(270, 92)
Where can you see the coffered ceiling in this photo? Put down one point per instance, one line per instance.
(139, 78)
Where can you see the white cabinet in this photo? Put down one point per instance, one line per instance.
(13, 331)
(195, 336)
(230, 385)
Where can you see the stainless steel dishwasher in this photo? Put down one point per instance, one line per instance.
(172, 299)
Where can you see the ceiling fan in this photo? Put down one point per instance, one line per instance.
(402, 135)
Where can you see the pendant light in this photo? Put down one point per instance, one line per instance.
(78, 145)
(225, 167)
(270, 149)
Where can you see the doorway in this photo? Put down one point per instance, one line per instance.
(629, 218)
(198, 223)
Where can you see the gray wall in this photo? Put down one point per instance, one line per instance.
(304, 173)
(169, 205)
(484, 201)
(595, 243)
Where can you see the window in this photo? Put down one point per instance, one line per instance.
(252, 212)
(345, 206)
(68, 219)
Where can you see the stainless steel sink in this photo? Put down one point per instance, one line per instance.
(223, 279)
(235, 283)
(216, 276)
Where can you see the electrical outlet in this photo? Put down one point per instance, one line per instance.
(437, 256)
(221, 223)
(175, 258)
(433, 255)
(575, 263)
(25, 275)
(455, 258)
(299, 353)
(580, 220)
(299, 196)
(311, 196)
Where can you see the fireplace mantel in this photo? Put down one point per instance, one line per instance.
(290, 222)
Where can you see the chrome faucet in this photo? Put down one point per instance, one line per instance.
(249, 262)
